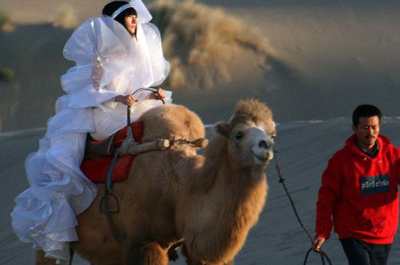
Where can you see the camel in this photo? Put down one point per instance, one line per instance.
(205, 202)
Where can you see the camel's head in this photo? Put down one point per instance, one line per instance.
(251, 133)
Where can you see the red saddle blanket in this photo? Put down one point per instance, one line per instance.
(96, 169)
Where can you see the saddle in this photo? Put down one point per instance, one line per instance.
(99, 155)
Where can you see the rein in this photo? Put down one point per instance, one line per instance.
(129, 140)
(321, 253)
(109, 202)
(153, 90)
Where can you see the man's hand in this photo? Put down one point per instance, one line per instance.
(318, 242)
(128, 100)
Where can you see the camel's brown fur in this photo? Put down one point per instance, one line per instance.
(255, 111)
(210, 202)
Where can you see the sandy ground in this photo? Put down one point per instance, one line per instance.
(345, 53)
(304, 148)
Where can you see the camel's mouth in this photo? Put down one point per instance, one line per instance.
(262, 158)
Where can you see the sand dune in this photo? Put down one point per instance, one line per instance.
(208, 49)
(327, 56)
(207, 46)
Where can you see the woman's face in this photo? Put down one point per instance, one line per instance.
(131, 23)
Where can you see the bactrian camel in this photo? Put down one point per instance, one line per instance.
(208, 203)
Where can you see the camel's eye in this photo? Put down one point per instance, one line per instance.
(239, 135)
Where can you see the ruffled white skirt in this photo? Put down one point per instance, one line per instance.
(45, 213)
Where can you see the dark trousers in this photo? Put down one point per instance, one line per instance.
(362, 253)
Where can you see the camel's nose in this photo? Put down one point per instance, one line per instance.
(261, 140)
(263, 144)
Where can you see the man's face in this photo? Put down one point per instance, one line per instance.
(367, 131)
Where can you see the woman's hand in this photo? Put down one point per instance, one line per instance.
(159, 94)
(128, 100)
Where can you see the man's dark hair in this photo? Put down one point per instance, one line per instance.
(111, 7)
(366, 111)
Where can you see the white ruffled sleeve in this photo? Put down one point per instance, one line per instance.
(81, 93)
(160, 65)
(93, 42)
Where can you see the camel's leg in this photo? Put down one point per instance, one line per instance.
(101, 263)
(150, 254)
(173, 251)
(222, 263)
(153, 254)
(189, 259)
(131, 254)
(42, 260)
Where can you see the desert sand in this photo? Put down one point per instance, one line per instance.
(333, 55)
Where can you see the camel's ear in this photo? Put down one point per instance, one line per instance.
(223, 128)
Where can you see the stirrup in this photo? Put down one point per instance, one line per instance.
(109, 204)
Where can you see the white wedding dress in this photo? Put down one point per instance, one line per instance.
(45, 213)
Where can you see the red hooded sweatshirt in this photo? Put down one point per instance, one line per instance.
(358, 194)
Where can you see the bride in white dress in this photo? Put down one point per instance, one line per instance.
(116, 55)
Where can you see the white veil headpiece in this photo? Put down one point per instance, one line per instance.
(105, 40)
(143, 13)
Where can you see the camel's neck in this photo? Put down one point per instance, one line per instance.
(237, 195)
(244, 188)
(216, 172)
(221, 198)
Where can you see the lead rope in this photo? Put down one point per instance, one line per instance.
(321, 253)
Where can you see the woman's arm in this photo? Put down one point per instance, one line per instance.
(97, 73)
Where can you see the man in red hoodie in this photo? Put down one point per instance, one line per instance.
(358, 194)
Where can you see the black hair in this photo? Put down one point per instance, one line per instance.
(111, 7)
(367, 111)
